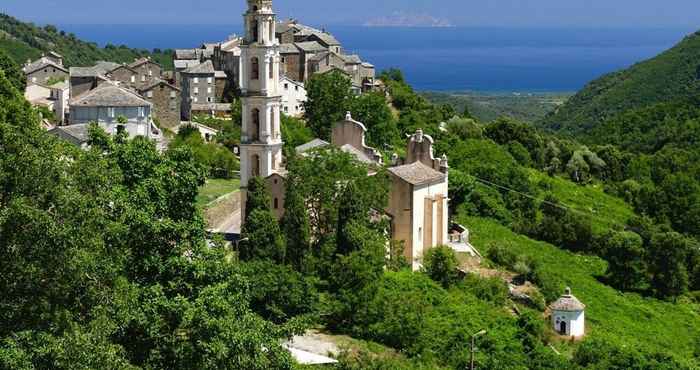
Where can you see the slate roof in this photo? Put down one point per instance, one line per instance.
(417, 173)
(76, 134)
(231, 44)
(203, 68)
(310, 46)
(285, 26)
(109, 95)
(351, 59)
(100, 68)
(313, 144)
(156, 83)
(326, 38)
(186, 54)
(186, 63)
(567, 303)
(288, 49)
(358, 154)
(141, 61)
(41, 63)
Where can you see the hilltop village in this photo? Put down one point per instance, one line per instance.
(266, 69)
(271, 200)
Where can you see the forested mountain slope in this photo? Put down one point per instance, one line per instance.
(24, 41)
(671, 75)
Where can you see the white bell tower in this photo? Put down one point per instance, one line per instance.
(261, 138)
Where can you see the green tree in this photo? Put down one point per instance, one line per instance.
(373, 111)
(258, 198)
(13, 72)
(440, 264)
(295, 223)
(263, 237)
(328, 100)
(667, 264)
(624, 252)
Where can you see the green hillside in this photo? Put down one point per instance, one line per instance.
(24, 41)
(672, 75)
(625, 318)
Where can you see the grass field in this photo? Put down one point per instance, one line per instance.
(625, 318)
(606, 211)
(215, 188)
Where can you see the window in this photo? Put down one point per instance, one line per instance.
(255, 124)
(210, 80)
(286, 86)
(254, 69)
(277, 203)
(296, 88)
(286, 109)
(208, 90)
(33, 79)
(272, 68)
(254, 30)
(195, 80)
(142, 112)
(133, 79)
(196, 90)
(195, 99)
(110, 112)
(173, 95)
(149, 94)
(143, 78)
(210, 99)
(121, 129)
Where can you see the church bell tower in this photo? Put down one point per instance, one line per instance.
(261, 137)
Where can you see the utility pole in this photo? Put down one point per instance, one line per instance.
(473, 348)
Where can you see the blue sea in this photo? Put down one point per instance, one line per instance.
(448, 59)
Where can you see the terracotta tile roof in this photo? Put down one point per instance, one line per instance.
(417, 173)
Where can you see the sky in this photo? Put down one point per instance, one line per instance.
(477, 13)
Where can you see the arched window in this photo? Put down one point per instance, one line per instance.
(254, 30)
(272, 119)
(254, 69)
(277, 203)
(255, 124)
(272, 67)
(255, 163)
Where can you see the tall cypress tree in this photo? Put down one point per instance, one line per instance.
(258, 197)
(295, 224)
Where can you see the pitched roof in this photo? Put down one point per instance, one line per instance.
(158, 82)
(310, 46)
(220, 74)
(350, 59)
(186, 54)
(417, 173)
(288, 49)
(100, 68)
(41, 63)
(109, 95)
(313, 144)
(141, 61)
(285, 26)
(567, 303)
(231, 44)
(76, 134)
(326, 38)
(358, 154)
(203, 68)
(186, 63)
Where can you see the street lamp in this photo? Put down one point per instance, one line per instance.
(473, 350)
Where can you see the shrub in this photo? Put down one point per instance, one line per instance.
(440, 264)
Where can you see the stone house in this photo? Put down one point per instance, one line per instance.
(125, 75)
(307, 51)
(107, 103)
(147, 71)
(290, 58)
(198, 87)
(45, 69)
(327, 40)
(166, 100)
(83, 79)
(227, 58)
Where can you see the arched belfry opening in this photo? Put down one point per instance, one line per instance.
(255, 124)
(254, 68)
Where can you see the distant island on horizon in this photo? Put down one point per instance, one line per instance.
(402, 19)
